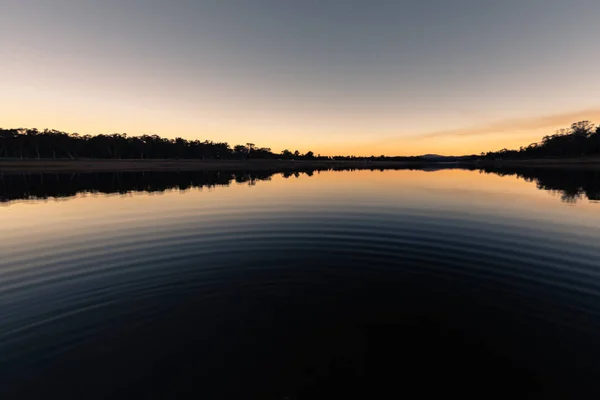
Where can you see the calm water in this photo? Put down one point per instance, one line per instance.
(323, 284)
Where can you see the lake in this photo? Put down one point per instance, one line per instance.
(301, 284)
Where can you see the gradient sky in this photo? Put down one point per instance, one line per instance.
(338, 76)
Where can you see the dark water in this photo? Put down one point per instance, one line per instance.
(317, 284)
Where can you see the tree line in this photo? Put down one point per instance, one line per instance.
(37, 144)
(580, 140)
(53, 144)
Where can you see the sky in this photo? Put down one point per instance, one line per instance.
(399, 77)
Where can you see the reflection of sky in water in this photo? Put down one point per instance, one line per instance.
(77, 268)
(466, 194)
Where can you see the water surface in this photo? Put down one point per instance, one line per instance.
(312, 284)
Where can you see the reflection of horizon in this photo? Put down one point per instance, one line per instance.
(571, 184)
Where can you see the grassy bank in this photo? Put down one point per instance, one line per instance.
(91, 165)
(579, 162)
(55, 166)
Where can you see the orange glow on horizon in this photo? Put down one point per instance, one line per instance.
(106, 118)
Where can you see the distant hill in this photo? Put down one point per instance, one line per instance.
(432, 156)
(439, 158)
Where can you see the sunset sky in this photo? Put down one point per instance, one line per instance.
(391, 77)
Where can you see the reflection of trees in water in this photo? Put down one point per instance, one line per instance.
(43, 186)
(570, 184)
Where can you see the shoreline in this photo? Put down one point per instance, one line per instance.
(159, 165)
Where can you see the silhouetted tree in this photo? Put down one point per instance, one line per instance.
(581, 139)
(240, 150)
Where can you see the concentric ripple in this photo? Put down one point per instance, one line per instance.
(288, 300)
